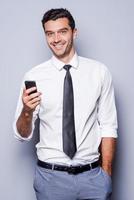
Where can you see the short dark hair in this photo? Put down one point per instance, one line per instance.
(57, 13)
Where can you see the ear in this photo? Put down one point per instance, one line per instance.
(74, 33)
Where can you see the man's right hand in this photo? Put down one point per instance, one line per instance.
(30, 101)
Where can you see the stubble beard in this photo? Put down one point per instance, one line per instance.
(66, 51)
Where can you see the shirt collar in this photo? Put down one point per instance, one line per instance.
(59, 64)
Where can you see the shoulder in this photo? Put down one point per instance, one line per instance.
(90, 62)
(95, 69)
(38, 70)
(93, 64)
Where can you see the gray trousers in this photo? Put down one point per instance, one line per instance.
(50, 184)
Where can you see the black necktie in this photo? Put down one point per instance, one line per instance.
(69, 140)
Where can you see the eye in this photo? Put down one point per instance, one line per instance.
(49, 34)
(63, 32)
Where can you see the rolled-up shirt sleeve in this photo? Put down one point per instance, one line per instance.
(18, 112)
(107, 115)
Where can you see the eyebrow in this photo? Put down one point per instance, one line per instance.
(62, 29)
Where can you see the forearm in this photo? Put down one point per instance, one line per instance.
(30, 101)
(24, 123)
(107, 150)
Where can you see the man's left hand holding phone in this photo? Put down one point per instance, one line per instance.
(31, 98)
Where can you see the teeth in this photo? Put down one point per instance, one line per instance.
(58, 46)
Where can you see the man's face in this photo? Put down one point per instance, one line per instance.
(59, 36)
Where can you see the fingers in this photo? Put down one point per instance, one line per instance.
(31, 101)
(30, 90)
(31, 107)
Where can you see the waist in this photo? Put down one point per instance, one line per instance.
(83, 156)
(69, 169)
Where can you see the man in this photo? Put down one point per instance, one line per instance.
(78, 125)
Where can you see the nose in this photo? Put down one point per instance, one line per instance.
(56, 37)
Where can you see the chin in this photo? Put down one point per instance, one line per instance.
(58, 52)
(59, 55)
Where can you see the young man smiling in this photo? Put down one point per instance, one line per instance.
(60, 38)
(76, 107)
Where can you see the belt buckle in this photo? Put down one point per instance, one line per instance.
(71, 170)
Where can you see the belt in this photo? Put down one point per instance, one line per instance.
(70, 169)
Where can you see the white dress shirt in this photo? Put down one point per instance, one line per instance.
(94, 109)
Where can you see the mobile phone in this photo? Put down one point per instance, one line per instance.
(29, 84)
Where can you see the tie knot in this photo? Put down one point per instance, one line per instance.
(67, 67)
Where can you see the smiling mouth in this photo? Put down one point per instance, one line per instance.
(58, 47)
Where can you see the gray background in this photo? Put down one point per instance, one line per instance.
(105, 33)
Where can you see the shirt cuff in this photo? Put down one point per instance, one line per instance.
(109, 133)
